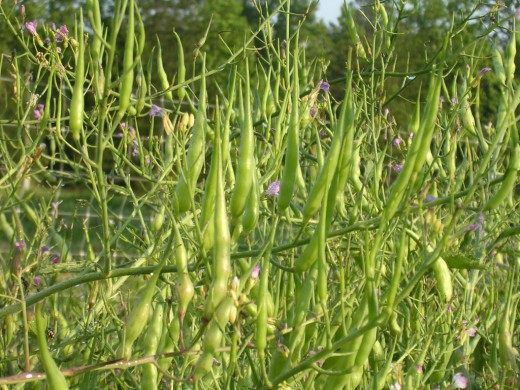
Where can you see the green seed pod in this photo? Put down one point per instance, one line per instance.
(138, 317)
(185, 288)
(498, 65)
(354, 36)
(508, 184)
(161, 73)
(181, 71)
(127, 78)
(222, 244)
(246, 159)
(251, 211)
(77, 103)
(443, 277)
(151, 342)
(159, 219)
(292, 150)
(169, 340)
(185, 189)
(55, 377)
(509, 63)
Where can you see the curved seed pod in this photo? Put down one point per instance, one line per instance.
(246, 159)
(127, 78)
(77, 104)
(185, 188)
(328, 170)
(138, 317)
(161, 73)
(443, 277)
(350, 351)
(292, 150)
(508, 184)
(352, 30)
(151, 342)
(181, 71)
(55, 377)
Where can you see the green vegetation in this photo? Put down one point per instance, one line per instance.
(244, 197)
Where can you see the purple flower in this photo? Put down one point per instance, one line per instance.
(255, 272)
(44, 249)
(156, 111)
(38, 111)
(37, 280)
(62, 33)
(471, 332)
(313, 111)
(47, 41)
(273, 189)
(31, 27)
(55, 259)
(397, 167)
(19, 245)
(473, 227)
(517, 14)
(397, 141)
(460, 381)
(419, 368)
(430, 198)
(324, 86)
(483, 71)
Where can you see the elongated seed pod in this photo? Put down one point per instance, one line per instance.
(170, 338)
(352, 30)
(246, 160)
(498, 65)
(181, 68)
(251, 211)
(207, 214)
(138, 317)
(55, 377)
(185, 288)
(185, 189)
(508, 184)
(161, 73)
(328, 170)
(509, 62)
(127, 77)
(221, 265)
(94, 15)
(77, 104)
(262, 301)
(292, 150)
(151, 342)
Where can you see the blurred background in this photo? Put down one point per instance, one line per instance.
(422, 27)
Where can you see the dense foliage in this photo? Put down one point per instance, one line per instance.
(248, 198)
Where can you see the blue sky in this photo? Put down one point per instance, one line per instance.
(328, 10)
